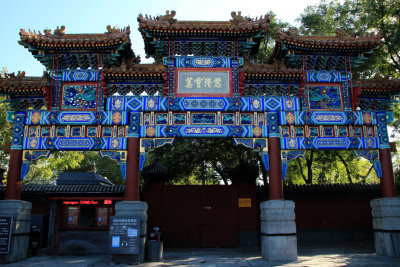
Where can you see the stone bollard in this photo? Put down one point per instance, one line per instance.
(386, 223)
(21, 212)
(133, 209)
(278, 231)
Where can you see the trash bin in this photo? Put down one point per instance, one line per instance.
(154, 250)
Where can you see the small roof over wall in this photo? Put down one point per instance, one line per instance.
(82, 178)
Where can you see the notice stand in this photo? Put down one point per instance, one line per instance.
(5, 233)
(124, 236)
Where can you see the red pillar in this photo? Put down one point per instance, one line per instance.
(388, 188)
(132, 170)
(275, 169)
(14, 183)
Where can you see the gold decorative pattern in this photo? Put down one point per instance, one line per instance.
(367, 118)
(117, 117)
(257, 131)
(150, 131)
(290, 118)
(35, 117)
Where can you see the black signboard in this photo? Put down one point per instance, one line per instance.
(124, 235)
(5, 233)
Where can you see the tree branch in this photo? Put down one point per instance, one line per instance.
(301, 170)
(345, 165)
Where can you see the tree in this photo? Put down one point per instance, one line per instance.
(5, 128)
(211, 161)
(356, 18)
(360, 18)
(103, 166)
(330, 167)
(46, 170)
(268, 44)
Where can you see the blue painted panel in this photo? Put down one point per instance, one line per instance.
(114, 118)
(203, 131)
(328, 143)
(37, 117)
(324, 76)
(201, 62)
(79, 76)
(75, 143)
(76, 118)
(160, 103)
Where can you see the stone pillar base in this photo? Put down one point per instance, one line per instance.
(21, 212)
(278, 231)
(386, 223)
(134, 209)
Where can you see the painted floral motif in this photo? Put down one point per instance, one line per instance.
(79, 97)
(325, 97)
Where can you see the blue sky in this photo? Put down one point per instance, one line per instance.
(89, 16)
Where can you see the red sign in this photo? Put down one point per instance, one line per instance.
(81, 202)
(70, 202)
(107, 201)
(88, 202)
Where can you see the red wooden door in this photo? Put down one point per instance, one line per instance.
(218, 217)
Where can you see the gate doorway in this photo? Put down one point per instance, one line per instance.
(203, 216)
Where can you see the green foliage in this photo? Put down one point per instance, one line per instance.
(330, 167)
(210, 161)
(268, 44)
(47, 170)
(104, 166)
(360, 18)
(5, 128)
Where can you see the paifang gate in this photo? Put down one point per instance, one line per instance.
(204, 83)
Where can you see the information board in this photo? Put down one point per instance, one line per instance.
(5, 233)
(124, 234)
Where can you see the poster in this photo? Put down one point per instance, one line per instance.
(124, 235)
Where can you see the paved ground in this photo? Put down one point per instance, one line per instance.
(240, 257)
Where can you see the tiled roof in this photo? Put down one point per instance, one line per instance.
(379, 84)
(236, 26)
(341, 40)
(332, 191)
(326, 191)
(376, 87)
(81, 178)
(332, 188)
(21, 85)
(269, 70)
(58, 38)
(155, 171)
(48, 189)
(137, 70)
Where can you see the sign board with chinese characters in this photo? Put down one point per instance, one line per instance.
(124, 235)
(210, 82)
(5, 233)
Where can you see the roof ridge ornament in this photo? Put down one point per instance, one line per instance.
(19, 76)
(293, 31)
(167, 17)
(117, 30)
(59, 31)
(340, 33)
(236, 19)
